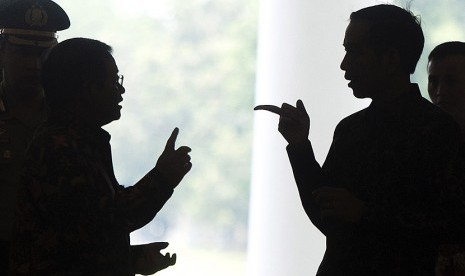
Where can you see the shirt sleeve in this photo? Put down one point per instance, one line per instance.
(308, 176)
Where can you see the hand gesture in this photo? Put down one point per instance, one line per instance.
(174, 164)
(294, 122)
(148, 259)
(338, 203)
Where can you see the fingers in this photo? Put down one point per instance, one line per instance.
(183, 150)
(272, 108)
(182, 154)
(169, 260)
(172, 259)
(286, 111)
(187, 167)
(300, 106)
(290, 112)
(170, 144)
(158, 245)
(184, 158)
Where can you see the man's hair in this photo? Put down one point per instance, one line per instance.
(71, 65)
(392, 27)
(450, 48)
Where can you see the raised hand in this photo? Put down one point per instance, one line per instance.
(148, 259)
(294, 122)
(174, 164)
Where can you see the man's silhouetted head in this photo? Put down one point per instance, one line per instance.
(446, 78)
(80, 77)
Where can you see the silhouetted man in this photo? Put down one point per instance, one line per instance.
(27, 29)
(446, 79)
(73, 216)
(378, 198)
(446, 89)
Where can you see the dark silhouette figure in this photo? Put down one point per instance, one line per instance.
(380, 197)
(27, 29)
(73, 216)
(446, 89)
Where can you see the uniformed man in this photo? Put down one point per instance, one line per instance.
(27, 29)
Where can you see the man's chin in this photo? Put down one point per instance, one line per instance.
(359, 94)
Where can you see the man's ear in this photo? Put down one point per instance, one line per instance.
(392, 60)
(87, 90)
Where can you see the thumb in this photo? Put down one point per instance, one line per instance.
(173, 259)
(300, 106)
(170, 143)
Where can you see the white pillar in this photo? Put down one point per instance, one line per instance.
(299, 52)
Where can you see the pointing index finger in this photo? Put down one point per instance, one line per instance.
(268, 107)
(172, 140)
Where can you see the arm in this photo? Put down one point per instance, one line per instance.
(324, 204)
(137, 205)
(294, 125)
(308, 176)
(67, 187)
(71, 209)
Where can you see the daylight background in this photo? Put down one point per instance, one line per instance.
(192, 64)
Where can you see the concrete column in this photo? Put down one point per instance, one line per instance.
(299, 53)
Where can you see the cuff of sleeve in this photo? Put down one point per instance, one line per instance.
(155, 183)
(300, 148)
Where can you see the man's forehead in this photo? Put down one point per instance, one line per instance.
(448, 64)
(356, 33)
(110, 65)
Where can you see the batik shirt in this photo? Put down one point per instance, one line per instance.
(16, 130)
(73, 216)
(405, 163)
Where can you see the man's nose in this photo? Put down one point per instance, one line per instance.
(442, 89)
(121, 89)
(343, 64)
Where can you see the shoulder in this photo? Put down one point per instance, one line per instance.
(426, 115)
(351, 120)
(51, 136)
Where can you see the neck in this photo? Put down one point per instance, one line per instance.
(84, 116)
(390, 91)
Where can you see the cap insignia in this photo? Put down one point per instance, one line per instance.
(36, 16)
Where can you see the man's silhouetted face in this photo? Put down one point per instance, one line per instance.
(363, 67)
(105, 96)
(446, 84)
